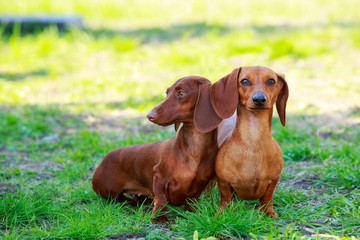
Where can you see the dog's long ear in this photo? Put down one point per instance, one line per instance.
(282, 99)
(205, 118)
(224, 94)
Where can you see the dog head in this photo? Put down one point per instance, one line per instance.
(255, 87)
(187, 101)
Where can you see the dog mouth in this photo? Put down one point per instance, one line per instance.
(262, 108)
(167, 123)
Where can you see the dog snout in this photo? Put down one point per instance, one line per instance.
(259, 99)
(151, 116)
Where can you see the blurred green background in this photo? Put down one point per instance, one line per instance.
(130, 51)
(69, 97)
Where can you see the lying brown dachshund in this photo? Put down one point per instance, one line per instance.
(249, 161)
(175, 170)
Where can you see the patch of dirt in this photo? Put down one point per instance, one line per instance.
(40, 170)
(306, 184)
(9, 156)
(129, 236)
(303, 177)
(6, 187)
(40, 167)
(302, 170)
(43, 169)
(330, 125)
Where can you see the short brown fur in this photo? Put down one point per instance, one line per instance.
(175, 170)
(249, 161)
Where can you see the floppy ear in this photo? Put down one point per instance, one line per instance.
(224, 94)
(282, 99)
(205, 118)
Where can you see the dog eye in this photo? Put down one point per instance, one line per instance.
(245, 82)
(180, 93)
(271, 82)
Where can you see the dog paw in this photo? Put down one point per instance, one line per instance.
(272, 214)
(160, 219)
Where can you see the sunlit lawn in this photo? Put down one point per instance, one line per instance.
(69, 97)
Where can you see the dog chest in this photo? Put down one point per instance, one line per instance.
(242, 164)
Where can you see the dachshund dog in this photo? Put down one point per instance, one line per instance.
(175, 170)
(249, 160)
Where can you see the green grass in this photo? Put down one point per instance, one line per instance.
(69, 97)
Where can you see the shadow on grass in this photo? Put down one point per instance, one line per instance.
(24, 123)
(178, 32)
(302, 139)
(145, 35)
(160, 35)
(22, 76)
(305, 138)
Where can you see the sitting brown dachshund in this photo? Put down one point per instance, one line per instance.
(175, 170)
(249, 160)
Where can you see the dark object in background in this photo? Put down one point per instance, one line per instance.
(35, 23)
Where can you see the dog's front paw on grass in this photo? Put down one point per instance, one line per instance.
(272, 214)
(160, 219)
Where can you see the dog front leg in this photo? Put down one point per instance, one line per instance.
(226, 194)
(160, 201)
(266, 201)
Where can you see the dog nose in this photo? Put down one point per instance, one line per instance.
(259, 99)
(151, 116)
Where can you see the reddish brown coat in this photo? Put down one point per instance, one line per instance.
(249, 160)
(176, 170)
